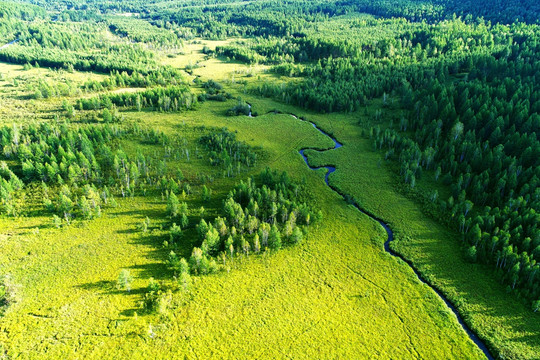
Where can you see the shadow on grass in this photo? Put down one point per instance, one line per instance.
(155, 241)
(138, 291)
(98, 285)
(127, 231)
(151, 213)
(157, 270)
(110, 288)
(131, 312)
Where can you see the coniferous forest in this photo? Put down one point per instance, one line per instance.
(269, 179)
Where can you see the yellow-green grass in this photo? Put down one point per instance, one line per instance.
(508, 326)
(210, 67)
(336, 295)
(191, 53)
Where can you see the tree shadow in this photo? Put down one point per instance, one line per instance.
(131, 312)
(109, 287)
(156, 270)
(151, 213)
(131, 292)
(98, 285)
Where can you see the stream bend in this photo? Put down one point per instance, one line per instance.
(390, 237)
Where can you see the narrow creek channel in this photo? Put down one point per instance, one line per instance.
(390, 238)
(389, 233)
(9, 44)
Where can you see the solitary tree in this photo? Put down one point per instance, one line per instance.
(124, 280)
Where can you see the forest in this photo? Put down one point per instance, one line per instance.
(195, 176)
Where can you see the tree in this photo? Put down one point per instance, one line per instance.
(107, 116)
(475, 235)
(175, 234)
(274, 238)
(205, 194)
(184, 221)
(198, 262)
(221, 226)
(124, 280)
(471, 254)
(229, 244)
(65, 206)
(211, 243)
(244, 245)
(179, 265)
(264, 232)
(138, 103)
(202, 229)
(172, 205)
(296, 236)
(256, 244)
(536, 305)
(84, 206)
(457, 130)
(468, 205)
(57, 221)
(184, 280)
(145, 225)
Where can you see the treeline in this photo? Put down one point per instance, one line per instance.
(163, 76)
(143, 32)
(300, 48)
(66, 159)
(57, 154)
(480, 138)
(81, 169)
(71, 45)
(249, 19)
(436, 10)
(364, 70)
(10, 185)
(255, 217)
(170, 98)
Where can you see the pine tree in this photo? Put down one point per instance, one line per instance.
(172, 205)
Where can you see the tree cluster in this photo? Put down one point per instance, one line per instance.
(255, 217)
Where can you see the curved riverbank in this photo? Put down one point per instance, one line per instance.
(390, 237)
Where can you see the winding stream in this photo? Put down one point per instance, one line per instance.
(390, 238)
(9, 44)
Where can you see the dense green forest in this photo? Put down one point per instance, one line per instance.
(169, 122)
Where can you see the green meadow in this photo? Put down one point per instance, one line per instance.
(335, 294)
(103, 286)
